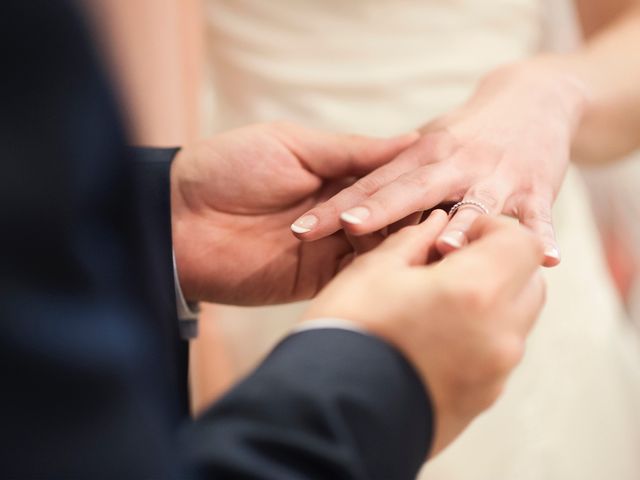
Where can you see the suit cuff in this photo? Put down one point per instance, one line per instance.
(153, 169)
(398, 434)
(326, 403)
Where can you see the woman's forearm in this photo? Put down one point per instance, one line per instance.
(608, 67)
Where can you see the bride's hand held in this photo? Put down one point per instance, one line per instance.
(505, 151)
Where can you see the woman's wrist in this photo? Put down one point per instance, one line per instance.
(603, 132)
(553, 82)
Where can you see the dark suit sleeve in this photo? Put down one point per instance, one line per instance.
(86, 388)
(151, 168)
(326, 404)
(89, 364)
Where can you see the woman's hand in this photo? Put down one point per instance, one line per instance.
(461, 322)
(507, 148)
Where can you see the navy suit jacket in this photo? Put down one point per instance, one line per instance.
(92, 370)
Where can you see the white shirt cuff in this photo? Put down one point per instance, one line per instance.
(187, 314)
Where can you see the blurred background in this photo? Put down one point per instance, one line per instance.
(190, 68)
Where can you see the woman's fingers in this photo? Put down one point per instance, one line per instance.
(487, 199)
(414, 191)
(324, 219)
(535, 213)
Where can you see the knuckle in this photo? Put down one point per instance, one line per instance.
(366, 185)
(487, 195)
(415, 180)
(433, 146)
(537, 213)
(474, 298)
(505, 353)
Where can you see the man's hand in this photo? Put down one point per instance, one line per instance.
(462, 322)
(235, 196)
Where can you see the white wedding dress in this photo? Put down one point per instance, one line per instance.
(572, 408)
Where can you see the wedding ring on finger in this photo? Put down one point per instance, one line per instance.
(468, 203)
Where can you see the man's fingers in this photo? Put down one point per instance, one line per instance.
(413, 219)
(529, 302)
(365, 243)
(333, 155)
(412, 244)
(414, 191)
(480, 200)
(502, 255)
(535, 213)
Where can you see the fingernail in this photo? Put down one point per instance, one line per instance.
(552, 252)
(304, 224)
(356, 215)
(454, 239)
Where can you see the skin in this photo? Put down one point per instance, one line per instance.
(162, 92)
(586, 102)
(461, 322)
(509, 146)
(234, 197)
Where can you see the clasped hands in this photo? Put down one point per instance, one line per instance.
(461, 321)
(276, 213)
(238, 197)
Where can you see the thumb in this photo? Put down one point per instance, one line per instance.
(411, 245)
(334, 155)
(502, 255)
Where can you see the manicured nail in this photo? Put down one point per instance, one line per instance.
(304, 224)
(552, 252)
(356, 215)
(455, 239)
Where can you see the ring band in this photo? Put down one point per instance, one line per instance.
(470, 203)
